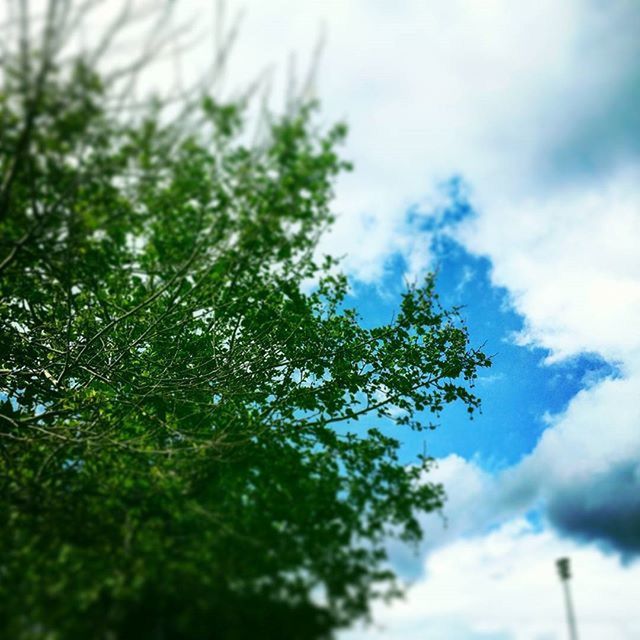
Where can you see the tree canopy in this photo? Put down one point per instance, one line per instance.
(191, 417)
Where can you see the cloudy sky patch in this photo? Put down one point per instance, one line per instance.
(533, 109)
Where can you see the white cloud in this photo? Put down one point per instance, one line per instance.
(598, 430)
(571, 263)
(517, 97)
(489, 574)
(594, 442)
(504, 585)
(585, 466)
(474, 502)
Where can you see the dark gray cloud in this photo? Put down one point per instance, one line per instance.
(605, 509)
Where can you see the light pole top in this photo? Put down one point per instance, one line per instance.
(563, 568)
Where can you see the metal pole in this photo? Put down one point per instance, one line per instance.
(565, 573)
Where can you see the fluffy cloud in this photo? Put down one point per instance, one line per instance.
(522, 99)
(519, 98)
(582, 477)
(570, 261)
(585, 469)
(504, 586)
(489, 573)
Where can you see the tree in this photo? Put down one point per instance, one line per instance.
(180, 438)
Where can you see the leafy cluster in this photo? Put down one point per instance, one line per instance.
(181, 453)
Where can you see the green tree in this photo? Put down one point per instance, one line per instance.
(190, 436)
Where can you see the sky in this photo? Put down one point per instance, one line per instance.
(496, 142)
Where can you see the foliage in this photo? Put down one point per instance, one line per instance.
(179, 448)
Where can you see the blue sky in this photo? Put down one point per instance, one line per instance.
(520, 389)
